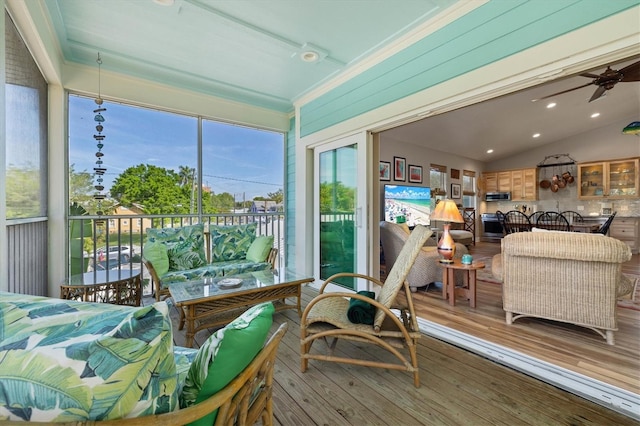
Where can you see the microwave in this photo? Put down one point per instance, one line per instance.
(497, 196)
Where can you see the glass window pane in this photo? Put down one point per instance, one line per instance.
(26, 130)
(240, 164)
(150, 157)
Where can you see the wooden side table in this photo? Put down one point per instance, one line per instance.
(449, 289)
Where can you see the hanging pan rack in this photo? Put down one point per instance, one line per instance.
(560, 160)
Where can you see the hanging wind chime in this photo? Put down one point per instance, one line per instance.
(99, 169)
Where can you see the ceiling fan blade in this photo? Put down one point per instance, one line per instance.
(600, 91)
(564, 91)
(631, 72)
(588, 74)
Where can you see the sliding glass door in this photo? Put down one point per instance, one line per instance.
(340, 221)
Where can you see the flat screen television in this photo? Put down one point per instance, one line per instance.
(410, 204)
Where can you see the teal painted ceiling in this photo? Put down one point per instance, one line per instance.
(247, 51)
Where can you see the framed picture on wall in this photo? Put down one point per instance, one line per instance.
(455, 190)
(455, 174)
(399, 168)
(415, 173)
(385, 170)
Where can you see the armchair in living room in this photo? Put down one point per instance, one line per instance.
(570, 277)
(426, 269)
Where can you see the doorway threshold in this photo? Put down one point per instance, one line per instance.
(612, 397)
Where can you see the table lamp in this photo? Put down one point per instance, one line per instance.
(447, 212)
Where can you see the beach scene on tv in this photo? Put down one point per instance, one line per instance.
(407, 204)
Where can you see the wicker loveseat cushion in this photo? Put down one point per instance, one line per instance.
(62, 360)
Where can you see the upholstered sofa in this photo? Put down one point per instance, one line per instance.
(563, 276)
(426, 269)
(78, 362)
(190, 253)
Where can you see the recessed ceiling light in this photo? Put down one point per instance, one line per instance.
(536, 135)
(595, 114)
(551, 105)
(489, 151)
(164, 2)
(309, 56)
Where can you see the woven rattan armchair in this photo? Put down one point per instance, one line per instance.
(325, 317)
(426, 268)
(571, 277)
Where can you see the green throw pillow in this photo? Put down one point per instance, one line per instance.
(224, 355)
(185, 245)
(156, 253)
(260, 248)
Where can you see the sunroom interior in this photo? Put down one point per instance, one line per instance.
(337, 110)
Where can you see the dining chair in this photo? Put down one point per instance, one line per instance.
(605, 226)
(572, 217)
(516, 221)
(533, 218)
(553, 221)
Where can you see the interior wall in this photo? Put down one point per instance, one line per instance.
(424, 157)
(606, 143)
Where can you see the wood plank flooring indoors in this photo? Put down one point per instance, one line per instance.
(575, 348)
(458, 387)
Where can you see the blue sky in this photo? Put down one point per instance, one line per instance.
(236, 159)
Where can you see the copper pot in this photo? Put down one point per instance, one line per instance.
(555, 179)
(545, 184)
(554, 187)
(562, 183)
(567, 177)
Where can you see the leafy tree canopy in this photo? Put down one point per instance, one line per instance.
(158, 189)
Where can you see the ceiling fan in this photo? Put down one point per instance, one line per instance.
(606, 80)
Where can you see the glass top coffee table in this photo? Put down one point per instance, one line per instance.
(217, 301)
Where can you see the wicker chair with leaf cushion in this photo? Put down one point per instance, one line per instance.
(571, 277)
(426, 268)
(326, 317)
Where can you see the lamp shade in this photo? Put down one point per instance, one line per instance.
(447, 211)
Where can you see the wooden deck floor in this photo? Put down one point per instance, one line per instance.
(458, 388)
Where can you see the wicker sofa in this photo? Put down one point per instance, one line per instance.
(190, 253)
(563, 276)
(426, 269)
(76, 363)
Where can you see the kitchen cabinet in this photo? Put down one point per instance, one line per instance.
(625, 229)
(608, 179)
(522, 183)
(490, 181)
(504, 181)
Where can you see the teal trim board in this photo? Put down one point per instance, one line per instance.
(290, 195)
(489, 33)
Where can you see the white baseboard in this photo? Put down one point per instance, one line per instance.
(609, 396)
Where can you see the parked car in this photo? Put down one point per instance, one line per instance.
(111, 263)
(124, 253)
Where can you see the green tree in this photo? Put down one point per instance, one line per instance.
(158, 189)
(82, 190)
(277, 196)
(336, 197)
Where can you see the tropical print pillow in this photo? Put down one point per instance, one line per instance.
(67, 361)
(231, 242)
(185, 245)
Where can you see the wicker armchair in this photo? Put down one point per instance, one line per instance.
(426, 269)
(326, 317)
(563, 276)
